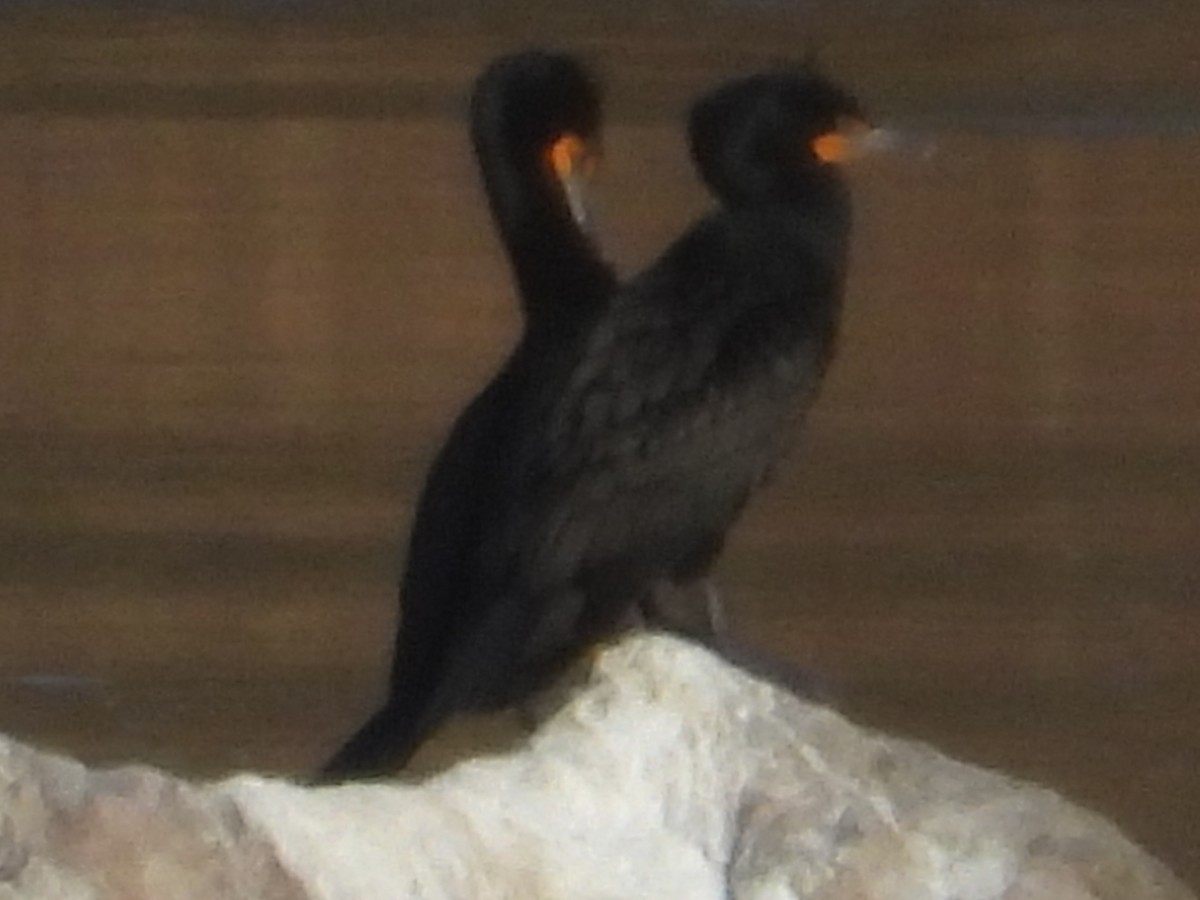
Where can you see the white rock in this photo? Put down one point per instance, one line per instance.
(670, 774)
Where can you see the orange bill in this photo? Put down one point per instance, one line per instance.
(573, 162)
(569, 156)
(851, 139)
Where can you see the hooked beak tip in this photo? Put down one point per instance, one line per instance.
(894, 140)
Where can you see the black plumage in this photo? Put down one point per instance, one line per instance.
(639, 441)
(533, 116)
(691, 382)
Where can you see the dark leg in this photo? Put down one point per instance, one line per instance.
(693, 609)
(696, 611)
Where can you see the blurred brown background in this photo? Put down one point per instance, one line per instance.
(247, 279)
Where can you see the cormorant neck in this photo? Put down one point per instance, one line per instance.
(781, 231)
(555, 264)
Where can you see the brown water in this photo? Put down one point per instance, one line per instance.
(246, 280)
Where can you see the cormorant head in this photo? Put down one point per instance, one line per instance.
(778, 135)
(543, 110)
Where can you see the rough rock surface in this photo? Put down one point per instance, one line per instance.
(670, 774)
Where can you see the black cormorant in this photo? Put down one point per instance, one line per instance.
(535, 127)
(689, 385)
(642, 437)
